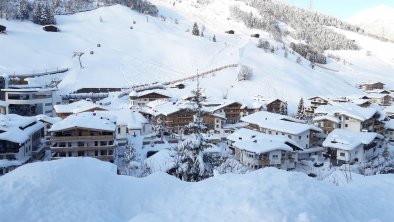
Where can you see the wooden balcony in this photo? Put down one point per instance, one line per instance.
(81, 148)
(81, 138)
(103, 157)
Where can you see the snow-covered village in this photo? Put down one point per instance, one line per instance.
(196, 110)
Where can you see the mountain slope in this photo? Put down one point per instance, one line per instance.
(378, 20)
(86, 189)
(163, 49)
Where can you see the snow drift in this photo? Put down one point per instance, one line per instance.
(84, 189)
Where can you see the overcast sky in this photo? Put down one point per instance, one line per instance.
(343, 9)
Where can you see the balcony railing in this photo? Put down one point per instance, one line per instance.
(81, 148)
(81, 138)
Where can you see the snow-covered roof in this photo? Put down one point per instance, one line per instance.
(389, 124)
(377, 96)
(48, 119)
(264, 115)
(349, 140)
(359, 101)
(251, 135)
(321, 97)
(87, 120)
(379, 91)
(77, 107)
(133, 119)
(347, 109)
(161, 161)
(389, 109)
(147, 92)
(279, 123)
(224, 103)
(17, 129)
(327, 117)
(257, 142)
(166, 107)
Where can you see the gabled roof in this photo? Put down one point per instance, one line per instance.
(87, 120)
(17, 129)
(347, 109)
(321, 97)
(378, 91)
(279, 123)
(264, 115)
(389, 109)
(258, 142)
(162, 92)
(133, 119)
(77, 107)
(166, 108)
(389, 124)
(327, 117)
(222, 105)
(371, 83)
(377, 96)
(349, 140)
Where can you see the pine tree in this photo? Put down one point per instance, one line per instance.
(386, 153)
(283, 108)
(159, 128)
(301, 110)
(189, 154)
(195, 30)
(214, 38)
(22, 10)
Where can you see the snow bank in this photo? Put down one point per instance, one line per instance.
(86, 189)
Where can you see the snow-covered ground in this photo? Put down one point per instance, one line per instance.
(84, 189)
(378, 20)
(159, 49)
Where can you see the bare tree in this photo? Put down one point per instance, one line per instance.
(79, 55)
(245, 73)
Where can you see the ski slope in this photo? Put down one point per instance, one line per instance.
(163, 49)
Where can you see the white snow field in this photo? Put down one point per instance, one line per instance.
(157, 50)
(85, 189)
(378, 20)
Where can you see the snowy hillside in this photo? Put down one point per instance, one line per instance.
(378, 20)
(89, 190)
(163, 49)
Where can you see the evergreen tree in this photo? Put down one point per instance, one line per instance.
(189, 154)
(195, 30)
(301, 110)
(214, 38)
(159, 128)
(22, 10)
(386, 153)
(283, 109)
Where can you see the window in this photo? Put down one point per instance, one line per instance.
(277, 133)
(269, 132)
(342, 154)
(347, 118)
(346, 125)
(299, 137)
(118, 130)
(275, 156)
(48, 104)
